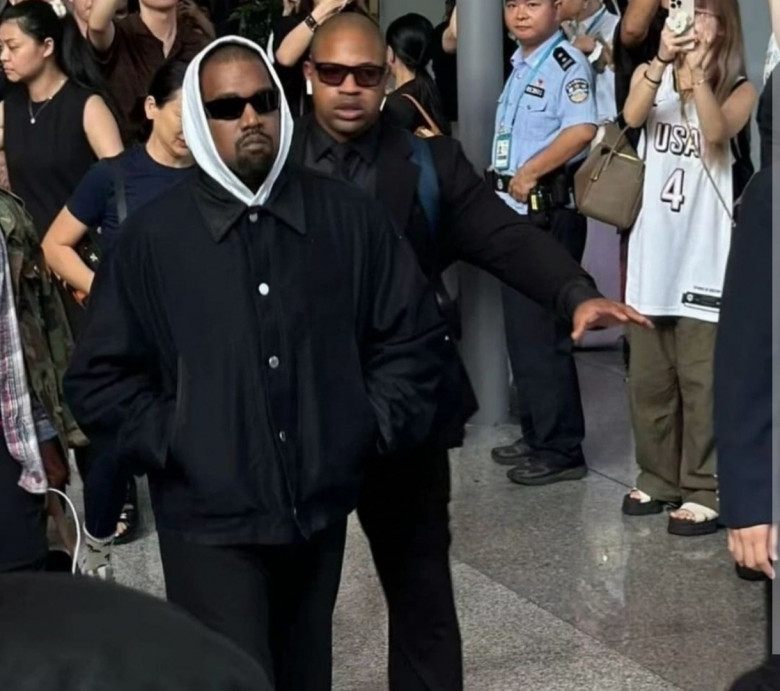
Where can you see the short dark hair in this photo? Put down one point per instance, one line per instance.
(230, 52)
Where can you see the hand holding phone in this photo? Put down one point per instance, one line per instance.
(681, 21)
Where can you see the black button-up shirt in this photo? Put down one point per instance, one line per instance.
(354, 161)
(251, 359)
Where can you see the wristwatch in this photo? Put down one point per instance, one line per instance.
(311, 22)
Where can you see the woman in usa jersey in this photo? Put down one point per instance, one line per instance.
(690, 102)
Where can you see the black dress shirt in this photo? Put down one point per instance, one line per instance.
(353, 161)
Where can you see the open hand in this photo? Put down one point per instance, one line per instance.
(603, 313)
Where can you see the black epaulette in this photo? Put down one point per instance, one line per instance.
(564, 59)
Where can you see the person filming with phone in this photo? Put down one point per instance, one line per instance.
(691, 101)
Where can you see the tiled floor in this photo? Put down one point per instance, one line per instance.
(557, 591)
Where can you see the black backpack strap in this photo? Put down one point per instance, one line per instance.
(119, 188)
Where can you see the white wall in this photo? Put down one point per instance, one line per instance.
(390, 10)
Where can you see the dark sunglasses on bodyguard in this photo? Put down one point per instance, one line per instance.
(233, 107)
(366, 76)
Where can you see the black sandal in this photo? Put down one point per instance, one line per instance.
(637, 507)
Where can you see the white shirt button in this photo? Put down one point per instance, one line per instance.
(283, 436)
(253, 217)
(273, 362)
(263, 289)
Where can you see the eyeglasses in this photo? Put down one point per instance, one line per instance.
(366, 76)
(233, 107)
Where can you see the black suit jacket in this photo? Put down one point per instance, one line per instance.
(475, 227)
(743, 365)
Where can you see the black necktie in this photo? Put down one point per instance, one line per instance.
(345, 159)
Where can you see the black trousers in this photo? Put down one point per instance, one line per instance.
(404, 511)
(541, 355)
(275, 602)
(23, 545)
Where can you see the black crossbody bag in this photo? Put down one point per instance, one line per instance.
(88, 248)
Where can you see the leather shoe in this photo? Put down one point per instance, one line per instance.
(542, 472)
(511, 454)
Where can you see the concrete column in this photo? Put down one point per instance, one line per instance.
(480, 81)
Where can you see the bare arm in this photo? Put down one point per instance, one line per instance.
(449, 41)
(566, 146)
(636, 21)
(101, 29)
(62, 259)
(642, 94)
(2, 126)
(295, 45)
(721, 123)
(101, 129)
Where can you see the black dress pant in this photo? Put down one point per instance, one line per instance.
(276, 602)
(541, 355)
(23, 545)
(404, 511)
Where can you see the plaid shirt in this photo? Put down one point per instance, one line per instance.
(18, 423)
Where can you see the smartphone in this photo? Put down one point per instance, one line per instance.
(682, 13)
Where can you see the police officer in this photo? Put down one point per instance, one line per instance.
(546, 119)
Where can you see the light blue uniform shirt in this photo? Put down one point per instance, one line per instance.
(549, 92)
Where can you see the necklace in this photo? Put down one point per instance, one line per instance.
(34, 116)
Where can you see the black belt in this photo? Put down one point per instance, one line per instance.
(500, 183)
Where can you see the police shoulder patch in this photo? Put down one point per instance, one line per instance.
(578, 90)
(564, 59)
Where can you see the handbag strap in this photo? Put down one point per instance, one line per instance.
(710, 177)
(428, 119)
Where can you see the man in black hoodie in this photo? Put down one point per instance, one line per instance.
(257, 336)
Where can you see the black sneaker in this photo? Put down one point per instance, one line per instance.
(541, 472)
(511, 454)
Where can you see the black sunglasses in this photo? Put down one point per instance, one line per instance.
(366, 76)
(232, 107)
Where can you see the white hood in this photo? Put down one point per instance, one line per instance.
(198, 137)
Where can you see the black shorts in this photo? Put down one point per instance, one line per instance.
(22, 519)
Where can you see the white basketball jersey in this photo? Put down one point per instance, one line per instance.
(678, 248)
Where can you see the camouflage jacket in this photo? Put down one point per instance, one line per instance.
(46, 337)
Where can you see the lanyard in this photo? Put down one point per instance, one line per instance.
(595, 20)
(531, 76)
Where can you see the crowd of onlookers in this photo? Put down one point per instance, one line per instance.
(91, 131)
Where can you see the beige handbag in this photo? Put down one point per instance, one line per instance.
(432, 130)
(608, 186)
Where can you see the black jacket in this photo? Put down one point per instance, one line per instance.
(475, 227)
(250, 359)
(743, 365)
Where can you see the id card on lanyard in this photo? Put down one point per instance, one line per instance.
(502, 147)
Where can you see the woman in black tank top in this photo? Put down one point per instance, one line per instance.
(55, 124)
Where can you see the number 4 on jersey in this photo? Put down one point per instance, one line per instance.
(673, 191)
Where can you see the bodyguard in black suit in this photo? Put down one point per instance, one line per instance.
(404, 507)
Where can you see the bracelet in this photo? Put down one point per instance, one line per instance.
(311, 22)
(701, 82)
(654, 82)
(662, 61)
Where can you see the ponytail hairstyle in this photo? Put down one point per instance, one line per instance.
(165, 84)
(72, 53)
(411, 38)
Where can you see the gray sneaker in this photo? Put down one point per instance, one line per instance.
(95, 557)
